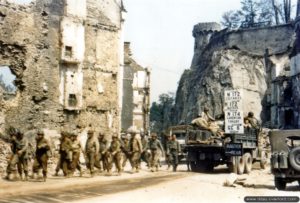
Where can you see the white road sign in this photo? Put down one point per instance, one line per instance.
(234, 122)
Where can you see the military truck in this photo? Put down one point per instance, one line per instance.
(180, 131)
(285, 157)
(238, 151)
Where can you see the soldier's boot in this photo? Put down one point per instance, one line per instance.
(152, 169)
(174, 168)
(132, 170)
(80, 173)
(8, 176)
(34, 175)
(56, 173)
(92, 174)
(44, 176)
(137, 169)
(26, 176)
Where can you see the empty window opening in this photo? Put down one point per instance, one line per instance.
(68, 51)
(72, 100)
(7, 79)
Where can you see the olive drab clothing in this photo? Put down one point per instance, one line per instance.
(102, 156)
(145, 156)
(135, 150)
(42, 154)
(91, 151)
(126, 152)
(66, 155)
(19, 157)
(76, 149)
(173, 148)
(115, 151)
(155, 147)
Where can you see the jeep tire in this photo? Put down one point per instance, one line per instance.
(294, 158)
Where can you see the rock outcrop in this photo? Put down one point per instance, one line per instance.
(232, 59)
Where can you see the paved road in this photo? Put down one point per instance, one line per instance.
(84, 192)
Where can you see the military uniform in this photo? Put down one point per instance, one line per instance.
(154, 146)
(135, 150)
(168, 156)
(116, 155)
(102, 155)
(76, 149)
(125, 150)
(91, 151)
(173, 148)
(66, 155)
(145, 156)
(19, 147)
(42, 154)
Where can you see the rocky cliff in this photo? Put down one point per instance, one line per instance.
(233, 59)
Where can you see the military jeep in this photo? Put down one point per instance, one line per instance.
(285, 157)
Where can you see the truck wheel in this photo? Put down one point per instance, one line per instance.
(248, 162)
(240, 165)
(263, 160)
(294, 158)
(232, 166)
(280, 184)
(193, 166)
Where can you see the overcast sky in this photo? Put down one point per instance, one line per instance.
(160, 32)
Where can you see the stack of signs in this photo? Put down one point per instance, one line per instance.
(233, 108)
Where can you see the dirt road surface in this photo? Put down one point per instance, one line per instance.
(163, 186)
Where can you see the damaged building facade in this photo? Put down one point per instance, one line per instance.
(136, 93)
(67, 56)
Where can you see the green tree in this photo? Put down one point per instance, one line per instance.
(161, 113)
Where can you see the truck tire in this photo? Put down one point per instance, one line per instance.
(240, 165)
(294, 158)
(232, 166)
(248, 162)
(280, 183)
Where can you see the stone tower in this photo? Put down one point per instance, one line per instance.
(202, 33)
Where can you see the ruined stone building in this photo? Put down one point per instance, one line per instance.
(67, 56)
(136, 94)
(254, 60)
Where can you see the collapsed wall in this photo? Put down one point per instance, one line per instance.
(66, 59)
(233, 59)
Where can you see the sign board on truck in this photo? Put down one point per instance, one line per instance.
(233, 108)
(234, 149)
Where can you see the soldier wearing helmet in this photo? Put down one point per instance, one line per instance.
(155, 148)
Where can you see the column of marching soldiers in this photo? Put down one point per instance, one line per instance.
(98, 153)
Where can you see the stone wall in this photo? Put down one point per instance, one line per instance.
(238, 59)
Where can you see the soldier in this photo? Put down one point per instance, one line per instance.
(135, 151)
(65, 151)
(115, 151)
(145, 155)
(168, 157)
(42, 154)
(76, 149)
(173, 148)
(91, 150)
(125, 150)
(102, 155)
(252, 120)
(19, 147)
(154, 145)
